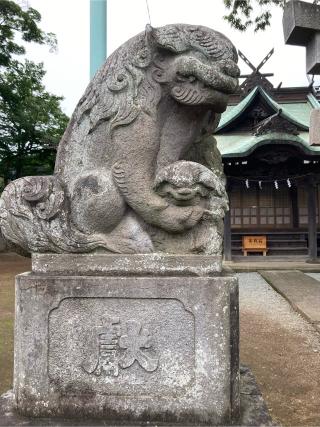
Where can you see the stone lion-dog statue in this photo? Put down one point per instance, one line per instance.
(137, 169)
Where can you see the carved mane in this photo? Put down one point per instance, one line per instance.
(111, 96)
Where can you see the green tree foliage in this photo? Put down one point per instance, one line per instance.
(31, 122)
(31, 119)
(243, 13)
(13, 20)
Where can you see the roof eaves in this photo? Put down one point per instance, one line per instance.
(313, 101)
(254, 142)
(237, 110)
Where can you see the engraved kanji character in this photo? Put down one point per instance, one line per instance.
(104, 359)
(135, 343)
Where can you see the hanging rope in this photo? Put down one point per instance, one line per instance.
(261, 180)
(248, 182)
(147, 4)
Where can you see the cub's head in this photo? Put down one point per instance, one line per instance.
(184, 182)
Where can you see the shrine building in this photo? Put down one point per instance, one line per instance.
(272, 170)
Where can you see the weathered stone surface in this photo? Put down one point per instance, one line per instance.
(300, 21)
(136, 169)
(314, 135)
(128, 348)
(301, 26)
(126, 265)
(253, 410)
(313, 55)
(302, 292)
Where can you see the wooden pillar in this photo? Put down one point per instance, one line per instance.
(312, 221)
(294, 204)
(227, 237)
(227, 233)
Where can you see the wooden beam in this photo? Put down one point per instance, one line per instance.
(227, 237)
(295, 208)
(312, 222)
(265, 59)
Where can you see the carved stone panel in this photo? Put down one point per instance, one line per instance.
(121, 346)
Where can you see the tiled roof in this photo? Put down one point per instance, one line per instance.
(240, 145)
(296, 113)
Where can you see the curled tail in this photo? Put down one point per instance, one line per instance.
(34, 215)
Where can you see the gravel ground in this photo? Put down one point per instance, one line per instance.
(283, 351)
(314, 275)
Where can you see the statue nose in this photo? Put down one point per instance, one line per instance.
(230, 68)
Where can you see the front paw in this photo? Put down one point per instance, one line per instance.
(180, 218)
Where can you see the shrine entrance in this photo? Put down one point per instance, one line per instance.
(262, 208)
(272, 169)
(274, 192)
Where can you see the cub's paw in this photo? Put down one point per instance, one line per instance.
(180, 218)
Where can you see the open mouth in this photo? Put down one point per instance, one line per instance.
(198, 82)
(182, 194)
(196, 93)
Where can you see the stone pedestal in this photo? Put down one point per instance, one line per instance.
(128, 348)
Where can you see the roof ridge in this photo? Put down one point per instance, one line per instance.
(237, 110)
(284, 113)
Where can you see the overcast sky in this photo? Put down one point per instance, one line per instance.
(68, 69)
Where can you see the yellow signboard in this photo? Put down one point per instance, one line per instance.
(254, 244)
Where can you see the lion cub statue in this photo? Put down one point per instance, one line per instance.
(137, 169)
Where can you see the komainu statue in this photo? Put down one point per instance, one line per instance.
(137, 169)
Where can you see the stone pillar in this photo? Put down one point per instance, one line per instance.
(128, 338)
(314, 137)
(301, 26)
(312, 222)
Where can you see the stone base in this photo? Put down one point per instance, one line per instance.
(126, 265)
(253, 410)
(128, 349)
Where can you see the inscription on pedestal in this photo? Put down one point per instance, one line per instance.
(110, 341)
(119, 345)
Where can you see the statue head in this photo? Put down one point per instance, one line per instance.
(198, 63)
(194, 65)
